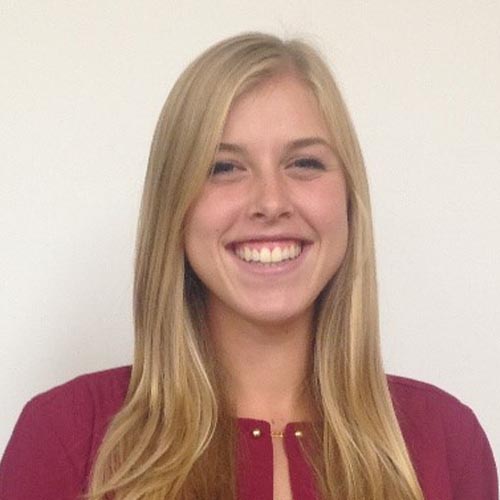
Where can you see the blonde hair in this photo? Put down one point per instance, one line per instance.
(174, 437)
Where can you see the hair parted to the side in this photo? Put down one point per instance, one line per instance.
(175, 437)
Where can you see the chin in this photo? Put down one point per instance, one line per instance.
(276, 317)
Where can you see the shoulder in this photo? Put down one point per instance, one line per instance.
(446, 442)
(58, 434)
(417, 396)
(85, 403)
(423, 408)
(104, 391)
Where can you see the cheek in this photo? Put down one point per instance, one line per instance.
(327, 209)
(205, 222)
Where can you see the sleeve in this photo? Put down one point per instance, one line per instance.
(477, 477)
(36, 464)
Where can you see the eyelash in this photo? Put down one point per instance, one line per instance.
(302, 162)
(219, 164)
(311, 162)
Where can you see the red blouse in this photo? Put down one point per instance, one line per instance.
(51, 451)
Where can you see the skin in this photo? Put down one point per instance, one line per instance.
(261, 321)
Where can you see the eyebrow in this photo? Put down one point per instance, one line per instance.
(290, 146)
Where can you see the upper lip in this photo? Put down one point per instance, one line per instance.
(269, 238)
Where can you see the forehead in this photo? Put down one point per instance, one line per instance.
(282, 105)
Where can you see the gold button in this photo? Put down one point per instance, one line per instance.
(298, 434)
(256, 433)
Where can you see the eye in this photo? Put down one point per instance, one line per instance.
(311, 163)
(222, 167)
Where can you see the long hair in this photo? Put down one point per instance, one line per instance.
(174, 436)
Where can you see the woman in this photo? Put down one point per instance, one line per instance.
(257, 370)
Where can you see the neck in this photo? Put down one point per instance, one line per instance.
(265, 366)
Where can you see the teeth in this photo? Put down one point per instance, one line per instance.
(246, 254)
(267, 256)
(276, 255)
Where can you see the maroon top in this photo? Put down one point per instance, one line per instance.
(50, 453)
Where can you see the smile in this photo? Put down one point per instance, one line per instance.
(268, 253)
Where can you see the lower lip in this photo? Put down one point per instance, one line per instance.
(281, 268)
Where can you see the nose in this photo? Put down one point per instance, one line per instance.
(270, 198)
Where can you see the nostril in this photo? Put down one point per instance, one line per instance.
(271, 215)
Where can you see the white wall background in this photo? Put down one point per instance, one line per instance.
(81, 87)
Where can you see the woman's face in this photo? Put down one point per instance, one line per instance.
(269, 228)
